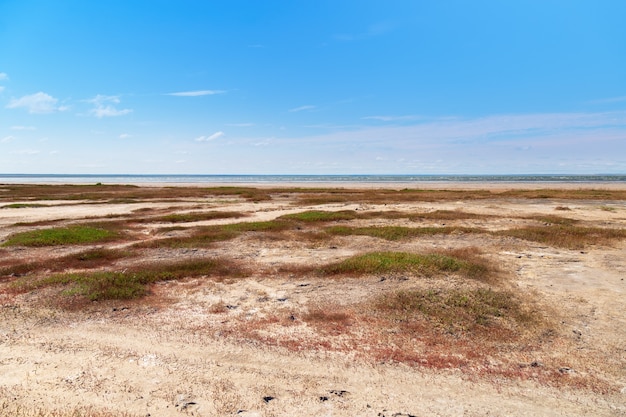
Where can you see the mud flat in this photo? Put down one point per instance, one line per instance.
(454, 300)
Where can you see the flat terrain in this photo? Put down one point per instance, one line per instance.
(243, 301)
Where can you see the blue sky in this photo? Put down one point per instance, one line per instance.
(312, 87)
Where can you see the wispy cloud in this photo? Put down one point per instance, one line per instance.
(125, 136)
(3, 76)
(609, 100)
(523, 143)
(23, 128)
(210, 137)
(240, 124)
(302, 108)
(196, 93)
(104, 106)
(7, 139)
(37, 103)
(392, 118)
(1, 88)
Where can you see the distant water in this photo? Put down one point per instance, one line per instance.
(269, 179)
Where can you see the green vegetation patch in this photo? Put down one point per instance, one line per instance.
(403, 262)
(454, 310)
(267, 226)
(106, 285)
(322, 216)
(71, 235)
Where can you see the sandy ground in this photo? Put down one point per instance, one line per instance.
(168, 354)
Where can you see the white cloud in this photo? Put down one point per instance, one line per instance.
(125, 136)
(1, 88)
(209, 138)
(196, 93)
(302, 108)
(7, 139)
(109, 111)
(37, 103)
(103, 108)
(23, 128)
(4, 76)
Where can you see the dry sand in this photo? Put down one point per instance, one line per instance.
(171, 354)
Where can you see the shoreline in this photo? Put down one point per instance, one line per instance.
(426, 185)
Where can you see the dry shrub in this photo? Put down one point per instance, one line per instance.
(566, 236)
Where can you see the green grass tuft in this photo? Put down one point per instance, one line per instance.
(72, 235)
(402, 262)
(321, 216)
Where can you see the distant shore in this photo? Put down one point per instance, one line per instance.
(390, 185)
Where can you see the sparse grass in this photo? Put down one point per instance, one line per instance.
(132, 283)
(208, 235)
(321, 216)
(398, 232)
(406, 263)
(193, 217)
(22, 205)
(566, 236)
(331, 320)
(264, 226)
(447, 215)
(452, 310)
(9, 408)
(549, 220)
(125, 193)
(89, 259)
(71, 235)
